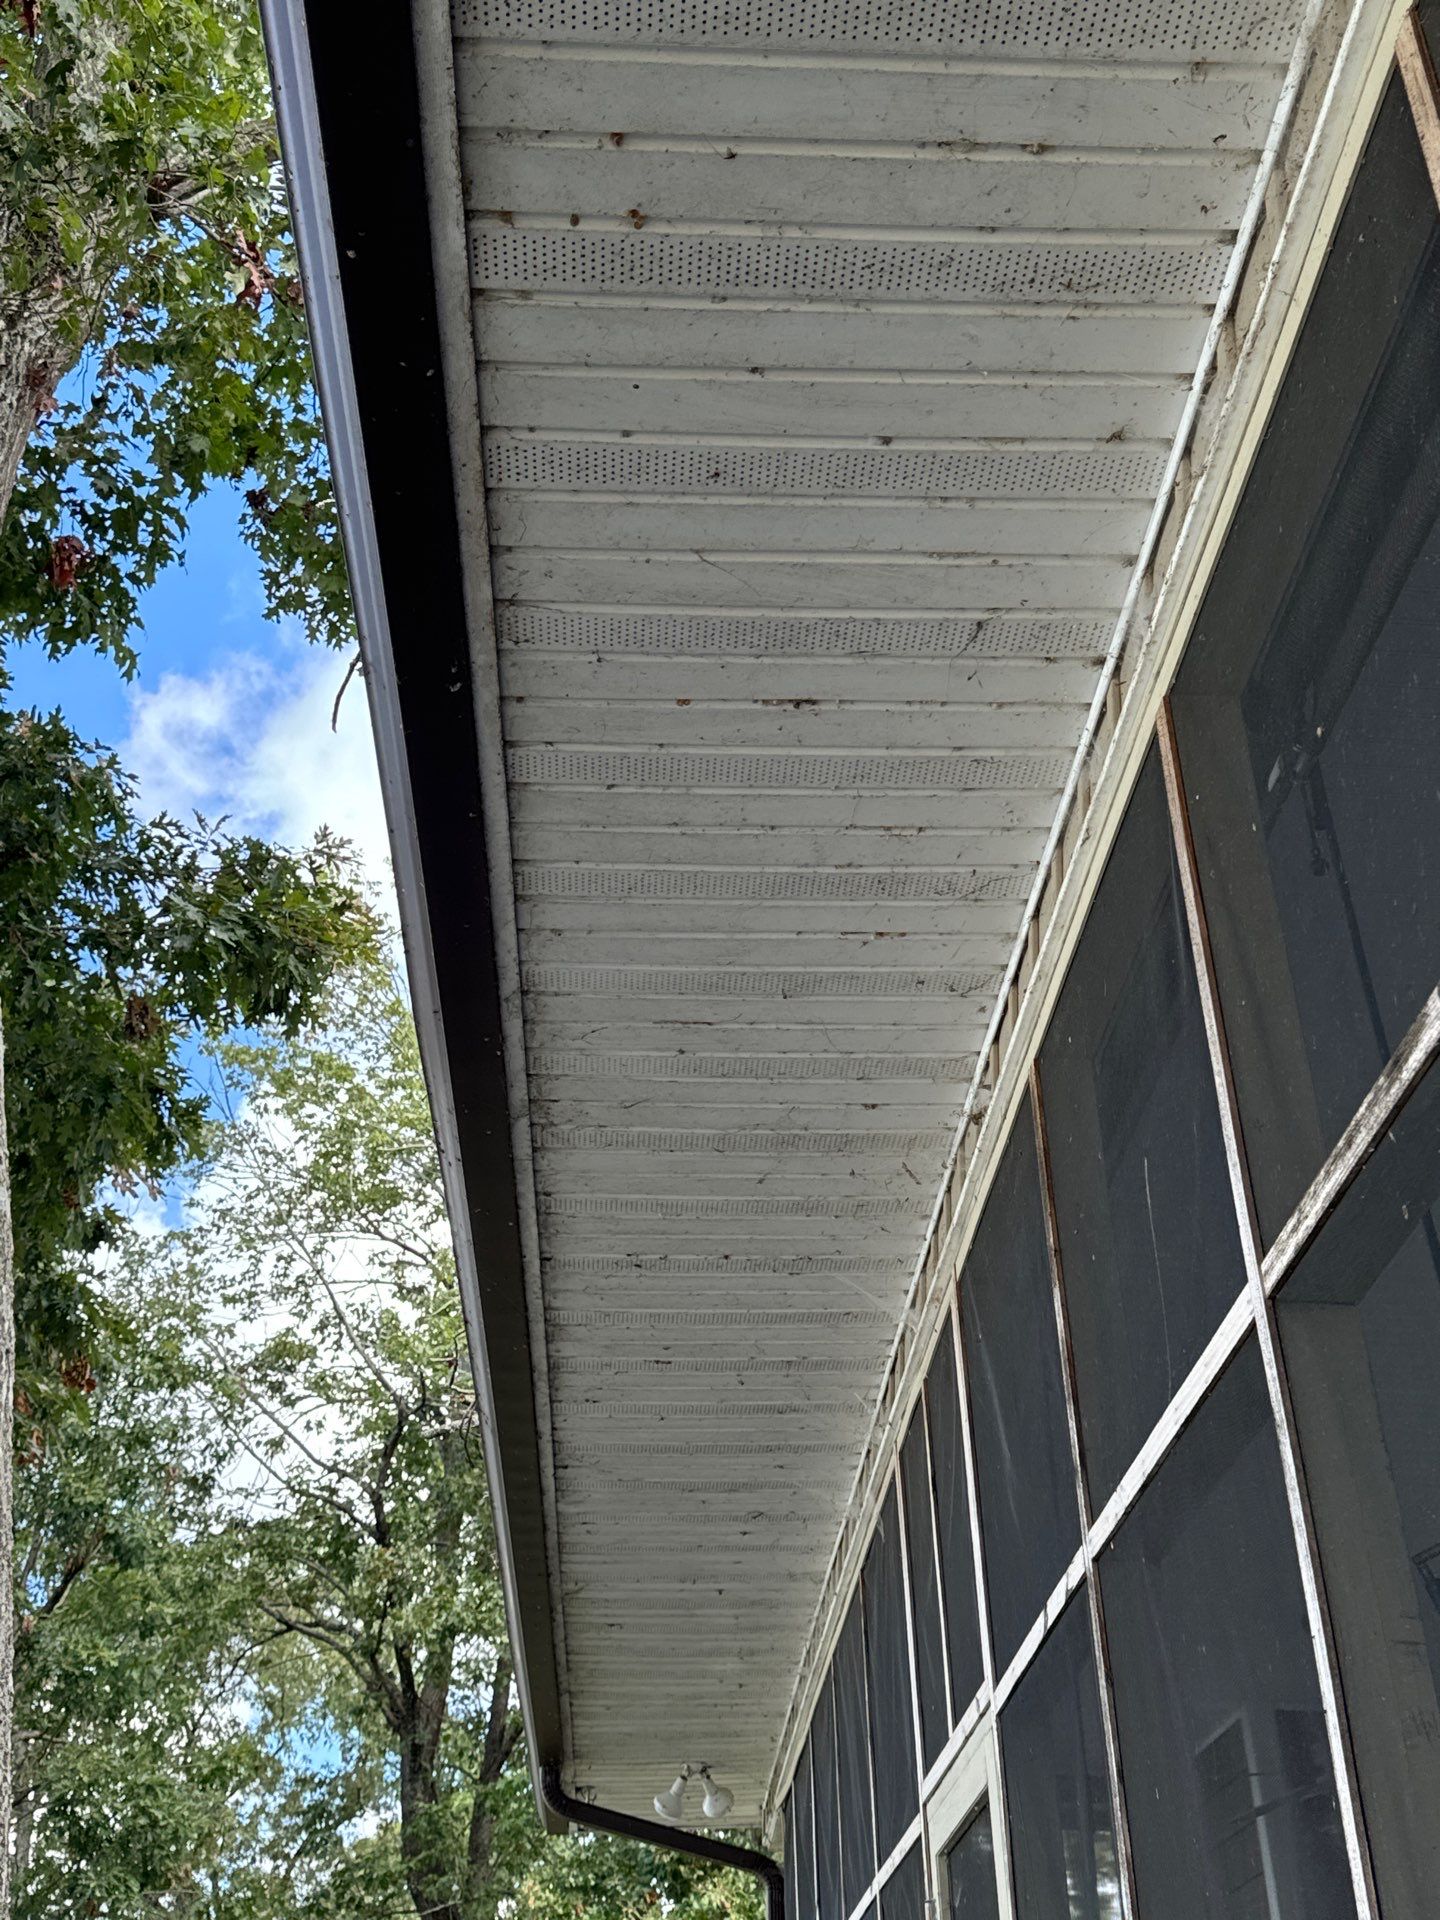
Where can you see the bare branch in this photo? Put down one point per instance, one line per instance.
(268, 1413)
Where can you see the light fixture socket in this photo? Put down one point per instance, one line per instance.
(718, 1800)
(670, 1805)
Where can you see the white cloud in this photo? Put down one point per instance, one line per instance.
(251, 739)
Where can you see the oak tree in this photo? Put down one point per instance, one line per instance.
(152, 344)
(354, 1728)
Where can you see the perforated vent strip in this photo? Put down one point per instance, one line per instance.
(762, 883)
(595, 1548)
(587, 1503)
(709, 1363)
(582, 1491)
(897, 982)
(941, 473)
(952, 772)
(774, 1320)
(722, 1206)
(781, 635)
(731, 1140)
(754, 1066)
(1187, 29)
(618, 1449)
(684, 1520)
(1168, 272)
(695, 1266)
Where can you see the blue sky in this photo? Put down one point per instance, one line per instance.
(229, 713)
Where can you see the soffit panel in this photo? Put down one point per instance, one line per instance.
(830, 355)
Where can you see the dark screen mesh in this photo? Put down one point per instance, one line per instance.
(892, 1727)
(1150, 1249)
(800, 1844)
(1360, 1324)
(970, 1868)
(1029, 1513)
(903, 1895)
(1309, 701)
(852, 1735)
(952, 1525)
(1057, 1785)
(829, 1900)
(1216, 1696)
(924, 1589)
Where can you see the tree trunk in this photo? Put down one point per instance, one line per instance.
(25, 380)
(7, 1516)
(427, 1881)
(33, 360)
(39, 341)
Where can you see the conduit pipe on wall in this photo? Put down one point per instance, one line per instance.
(703, 1846)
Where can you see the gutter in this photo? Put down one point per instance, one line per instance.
(700, 1846)
(350, 121)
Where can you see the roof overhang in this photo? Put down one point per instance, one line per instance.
(718, 854)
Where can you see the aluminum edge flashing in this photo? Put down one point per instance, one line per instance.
(440, 142)
(357, 187)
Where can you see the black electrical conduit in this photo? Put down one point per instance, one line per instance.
(677, 1839)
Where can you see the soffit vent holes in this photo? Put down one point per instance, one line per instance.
(1105, 472)
(1176, 273)
(1184, 29)
(534, 882)
(768, 772)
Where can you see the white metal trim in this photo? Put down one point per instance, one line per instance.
(293, 82)
(887, 1868)
(1119, 1817)
(435, 66)
(974, 1778)
(972, 1489)
(922, 1414)
(1327, 1667)
(959, 1735)
(1061, 1594)
(1212, 1362)
(1411, 1060)
(916, 1727)
(859, 1601)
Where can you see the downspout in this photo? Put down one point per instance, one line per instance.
(702, 1846)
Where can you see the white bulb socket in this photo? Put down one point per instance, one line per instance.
(718, 1801)
(671, 1804)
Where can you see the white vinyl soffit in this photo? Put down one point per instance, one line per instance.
(831, 352)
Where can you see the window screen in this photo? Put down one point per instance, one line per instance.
(903, 1895)
(1057, 1788)
(1029, 1517)
(970, 1870)
(852, 1738)
(1359, 1324)
(1149, 1244)
(952, 1525)
(1232, 1803)
(892, 1727)
(1308, 707)
(924, 1590)
(829, 1899)
(800, 1844)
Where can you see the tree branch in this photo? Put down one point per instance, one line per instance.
(361, 1661)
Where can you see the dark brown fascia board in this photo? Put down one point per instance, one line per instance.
(348, 102)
